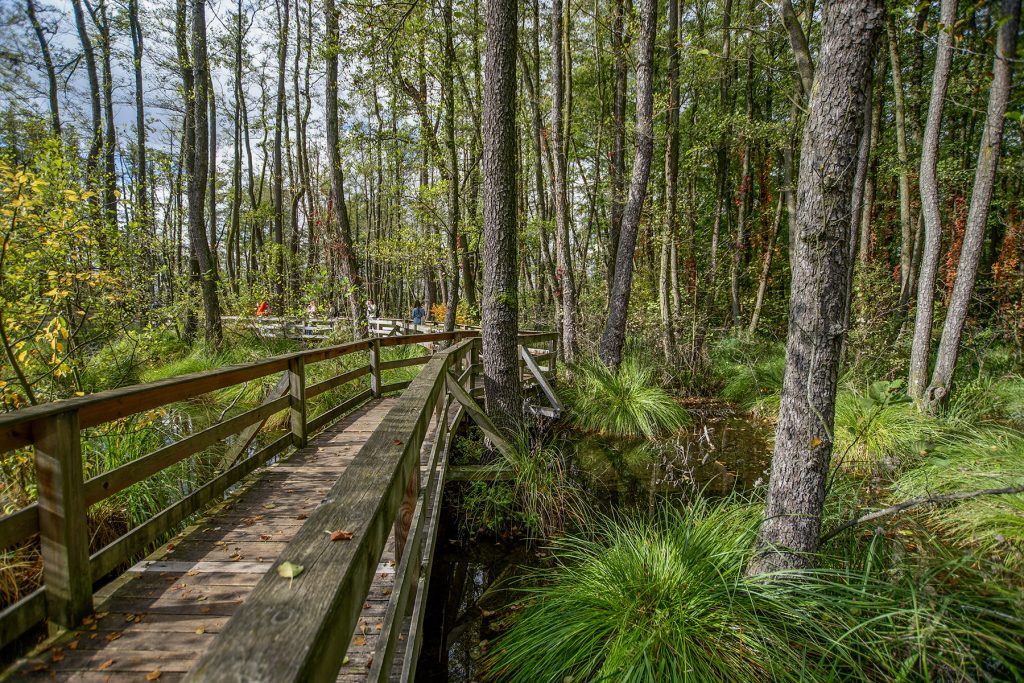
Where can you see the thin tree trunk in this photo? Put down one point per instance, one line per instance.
(614, 336)
(981, 200)
(564, 273)
(766, 267)
(448, 88)
(906, 221)
(803, 447)
(617, 171)
(96, 145)
(51, 75)
(667, 289)
(921, 348)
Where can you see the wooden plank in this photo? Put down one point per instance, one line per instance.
(21, 616)
(328, 384)
(337, 411)
(144, 535)
(295, 630)
(478, 415)
(63, 526)
(394, 386)
(404, 362)
(18, 526)
(542, 381)
(241, 445)
(108, 483)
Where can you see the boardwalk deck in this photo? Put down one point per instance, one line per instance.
(158, 619)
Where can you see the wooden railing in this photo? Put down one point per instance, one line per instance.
(300, 631)
(326, 600)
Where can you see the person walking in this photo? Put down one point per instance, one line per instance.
(418, 313)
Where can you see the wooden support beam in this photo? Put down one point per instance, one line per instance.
(296, 375)
(542, 381)
(375, 368)
(247, 435)
(63, 528)
(478, 415)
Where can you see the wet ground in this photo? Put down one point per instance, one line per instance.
(474, 581)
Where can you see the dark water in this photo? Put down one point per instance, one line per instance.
(473, 582)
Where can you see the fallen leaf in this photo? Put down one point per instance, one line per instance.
(359, 641)
(192, 572)
(111, 637)
(204, 610)
(264, 537)
(87, 620)
(73, 645)
(106, 665)
(170, 547)
(236, 556)
(57, 655)
(302, 515)
(289, 570)
(815, 442)
(269, 506)
(200, 631)
(344, 661)
(398, 442)
(339, 535)
(153, 675)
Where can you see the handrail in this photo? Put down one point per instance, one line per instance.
(54, 430)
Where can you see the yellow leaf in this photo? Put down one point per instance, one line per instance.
(815, 442)
(289, 570)
(153, 675)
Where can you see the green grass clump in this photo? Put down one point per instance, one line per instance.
(988, 458)
(536, 494)
(751, 375)
(666, 600)
(624, 402)
(879, 425)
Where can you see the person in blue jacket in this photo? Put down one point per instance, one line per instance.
(418, 313)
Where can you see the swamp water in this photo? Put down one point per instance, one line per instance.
(474, 582)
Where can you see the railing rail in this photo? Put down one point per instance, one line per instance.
(387, 468)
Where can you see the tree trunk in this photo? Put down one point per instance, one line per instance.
(906, 221)
(614, 337)
(617, 172)
(921, 349)
(766, 267)
(277, 187)
(51, 75)
(342, 231)
(981, 200)
(803, 446)
(666, 290)
(559, 133)
(448, 88)
(500, 328)
(96, 145)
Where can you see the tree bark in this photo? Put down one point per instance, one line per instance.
(342, 230)
(500, 328)
(981, 200)
(617, 171)
(564, 272)
(803, 447)
(96, 145)
(614, 337)
(906, 221)
(666, 289)
(922, 344)
(51, 75)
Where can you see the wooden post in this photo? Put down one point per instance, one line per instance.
(406, 510)
(63, 529)
(553, 350)
(375, 367)
(474, 360)
(297, 400)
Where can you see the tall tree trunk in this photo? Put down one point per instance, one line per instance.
(981, 200)
(559, 133)
(195, 75)
(877, 100)
(51, 75)
(144, 212)
(766, 267)
(277, 188)
(96, 145)
(906, 221)
(342, 230)
(922, 345)
(666, 292)
(803, 447)
(742, 201)
(614, 336)
(617, 170)
(448, 90)
(722, 153)
(500, 328)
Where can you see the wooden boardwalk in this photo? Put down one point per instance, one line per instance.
(155, 621)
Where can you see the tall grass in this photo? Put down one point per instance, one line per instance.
(751, 374)
(666, 600)
(535, 493)
(625, 402)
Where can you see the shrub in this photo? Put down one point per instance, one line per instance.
(624, 402)
(666, 600)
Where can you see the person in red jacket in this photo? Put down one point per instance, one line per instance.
(262, 308)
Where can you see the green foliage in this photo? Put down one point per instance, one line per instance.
(879, 425)
(625, 402)
(751, 374)
(666, 600)
(534, 494)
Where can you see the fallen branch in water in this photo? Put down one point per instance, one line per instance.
(914, 502)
